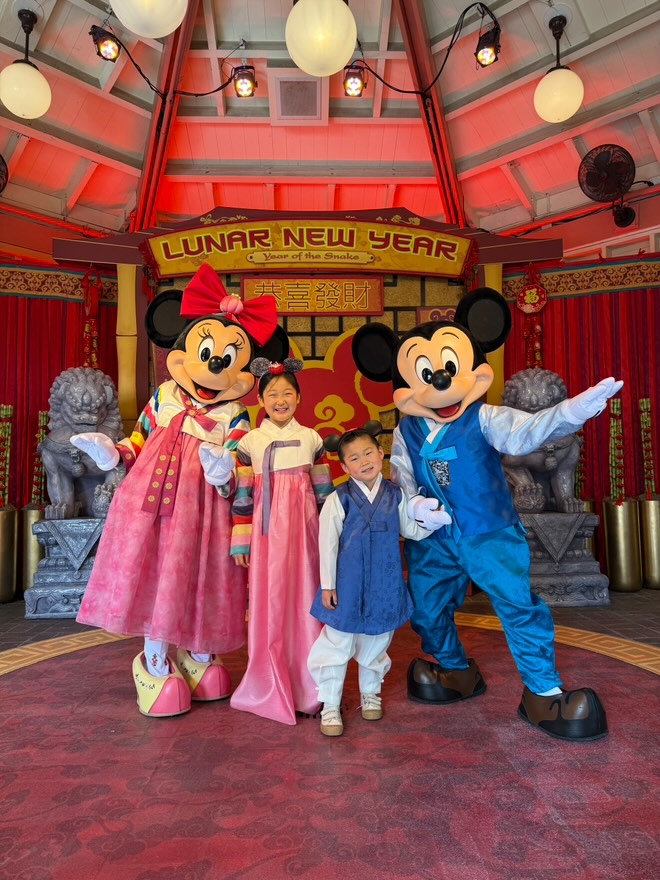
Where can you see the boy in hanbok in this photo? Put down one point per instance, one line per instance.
(363, 597)
(281, 485)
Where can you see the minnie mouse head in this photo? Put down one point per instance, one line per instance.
(213, 337)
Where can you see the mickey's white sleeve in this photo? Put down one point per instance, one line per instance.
(331, 521)
(401, 469)
(515, 432)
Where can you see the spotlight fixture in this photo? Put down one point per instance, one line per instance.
(23, 89)
(320, 35)
(107, 45)
(245, 83)
(355, 80)
(624, 215)
(559, 94)
(488, 47)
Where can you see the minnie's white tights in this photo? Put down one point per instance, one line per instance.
(155, 653)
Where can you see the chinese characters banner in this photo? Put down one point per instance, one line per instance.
(319, 295)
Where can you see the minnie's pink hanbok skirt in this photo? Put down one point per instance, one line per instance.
(168, 577)
(284, 578)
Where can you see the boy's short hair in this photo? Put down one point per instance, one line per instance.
(351, 436)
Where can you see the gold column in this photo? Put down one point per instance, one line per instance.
(622, 545)
(493, 278)
(33, 552)
(127, 345)
(8, 552)
(649, 524)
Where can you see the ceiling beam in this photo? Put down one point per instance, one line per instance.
(64, 139)
(641, 97)
(423, 70)
(174, 56)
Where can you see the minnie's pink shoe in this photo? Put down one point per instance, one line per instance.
(207, 681)
(160, 696)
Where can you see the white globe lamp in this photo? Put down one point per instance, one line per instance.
(320, 36)
(24, 90)
(558, 95)
(150, 18)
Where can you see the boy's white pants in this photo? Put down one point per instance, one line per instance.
(328, 661)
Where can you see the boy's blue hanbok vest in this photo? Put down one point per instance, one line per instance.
(463, 471)
(372, 593)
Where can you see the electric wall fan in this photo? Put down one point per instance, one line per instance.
(605, 175)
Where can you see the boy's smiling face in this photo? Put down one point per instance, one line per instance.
(363, 460)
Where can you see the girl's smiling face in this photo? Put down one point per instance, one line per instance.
(280, 400)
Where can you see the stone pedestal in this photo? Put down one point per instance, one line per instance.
(61, 578)
(563, 570)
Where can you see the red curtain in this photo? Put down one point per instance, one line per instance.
(587, 338)
(41, 338)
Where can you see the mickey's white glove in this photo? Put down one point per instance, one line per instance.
(590, 402)
(100, 449)
(217, 462)
(428, 513)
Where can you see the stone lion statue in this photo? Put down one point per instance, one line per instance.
(544, 480)
(81, 399)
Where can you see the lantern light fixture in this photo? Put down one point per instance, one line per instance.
(558, 96)
(24, 90)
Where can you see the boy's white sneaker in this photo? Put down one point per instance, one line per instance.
(331, 723)
(372, 708)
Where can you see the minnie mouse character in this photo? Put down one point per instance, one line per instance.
(446, 456)
(163, 568)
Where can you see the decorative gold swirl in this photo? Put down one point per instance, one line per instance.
(334, 413)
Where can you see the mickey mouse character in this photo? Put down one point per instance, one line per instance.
(163, 568)
(446, 456)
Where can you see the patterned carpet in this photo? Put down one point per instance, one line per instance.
(91, 790)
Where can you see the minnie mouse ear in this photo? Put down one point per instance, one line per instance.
(485, 313)
(163, 321)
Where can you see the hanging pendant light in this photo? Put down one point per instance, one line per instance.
(320, 35)
(24, 90)
(150, 18)
(559, 94)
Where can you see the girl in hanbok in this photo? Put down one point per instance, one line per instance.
(281, 486)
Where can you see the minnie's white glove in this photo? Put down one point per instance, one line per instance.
(590, 402)
(100, 449)
(217, 462)
(428, 512)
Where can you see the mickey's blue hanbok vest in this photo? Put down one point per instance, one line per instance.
(372, 593)
(463, 471)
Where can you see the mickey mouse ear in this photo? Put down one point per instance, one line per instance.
(331, 443)
(485, 313)
(163, 321)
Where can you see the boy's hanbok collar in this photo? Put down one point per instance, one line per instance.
(370, 493)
